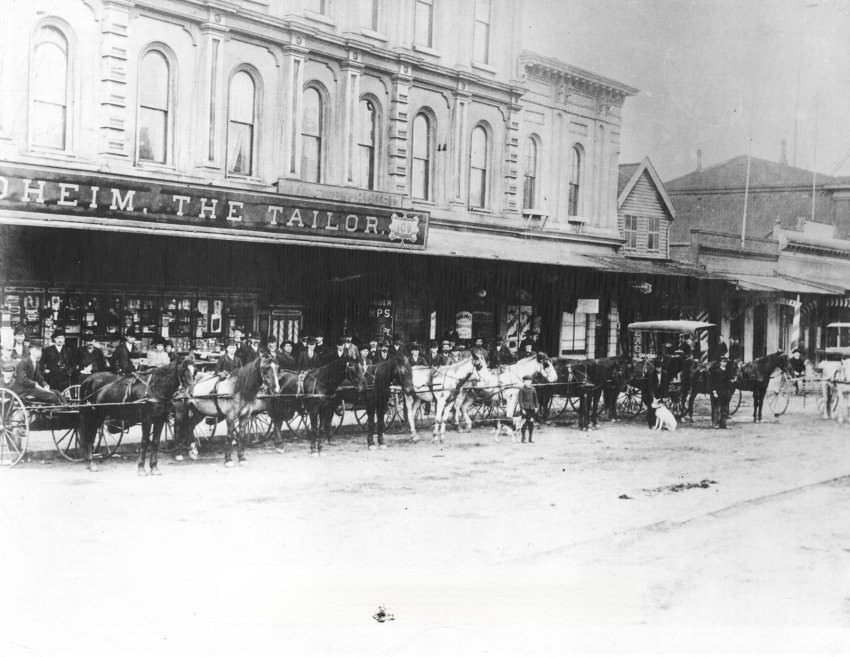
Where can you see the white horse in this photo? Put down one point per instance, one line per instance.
(503, 385)
(439, 386)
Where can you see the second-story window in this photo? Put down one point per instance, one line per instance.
(240, 125)
(478, 157)
(366, 144)
(369, 14)
(420, 174)
(423, 25)
(575, 182)
(317, 6)
(49, 90)
(311, 136)
(630, 231)
(653, 234)
(154, 95)
(481, 33)
(529, 186)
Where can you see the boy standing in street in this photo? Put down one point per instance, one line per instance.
(528, 404)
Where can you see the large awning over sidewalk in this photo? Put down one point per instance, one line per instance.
(778, 283)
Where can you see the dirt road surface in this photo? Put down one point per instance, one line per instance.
(616, 541)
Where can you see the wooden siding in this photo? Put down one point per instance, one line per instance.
(644, 202)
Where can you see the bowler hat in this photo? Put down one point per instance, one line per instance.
(414, 346)
(157, 339)
(88, 336)
(311, 340)
(20, 329)
(58, 333)
(35, 344)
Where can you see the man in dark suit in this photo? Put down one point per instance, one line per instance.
(29, 380)
(309, 359)
(500, 354)
(381, 354)
(721, 382)
(286, 360)
(58, 362)
(416, 358)
(122, 362)
(20, 351)
(90, 359)
(250, 351)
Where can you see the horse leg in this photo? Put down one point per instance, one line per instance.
(594, 408)
(143, 449)
(158, 423)
(315, 439)
(411, 406)
(228, 440)
(381, 412)
(439, 408)
(87, 430)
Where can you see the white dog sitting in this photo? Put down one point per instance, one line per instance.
(664, 419)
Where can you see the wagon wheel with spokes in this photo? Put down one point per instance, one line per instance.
(735, 401)
(64, 428)
(778, 396)
(629, 402)
(14, 428)
(299, 423)
(258, 428)
(109, 437)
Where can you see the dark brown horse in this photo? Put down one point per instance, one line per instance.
(376, 393)
(314, 393)
(141, 398)
(592, 380)
(756, 376)
(695, 382)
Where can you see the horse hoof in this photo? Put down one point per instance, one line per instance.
(372, 448)
(382, 446)
(179, 457)
(280, 450)
(414, 437)
(228, 464)
(243, 462)
(141, 471)
(93, 467)
(155, 472)
(314, 455)
(193, 453)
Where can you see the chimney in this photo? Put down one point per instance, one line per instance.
(783, 155)
(699, 159)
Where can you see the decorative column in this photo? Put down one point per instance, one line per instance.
(459, 153)
(350, 113)
(399, 120)
(294, 54)
(213, 93)
(113, 125)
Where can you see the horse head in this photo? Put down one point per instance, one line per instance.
(186, 372)
(270, 372)
(547, 369)
(404, 373)
(355, 372)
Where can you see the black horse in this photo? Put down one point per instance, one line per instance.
(595, 379)
(695, 381)
(141, 398)
(376, 393)
(314, 392)
(755, 376)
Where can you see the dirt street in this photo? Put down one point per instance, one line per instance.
(616, 541)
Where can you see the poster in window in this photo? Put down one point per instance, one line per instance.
(381, 317)
(463, 325)
(518, 325)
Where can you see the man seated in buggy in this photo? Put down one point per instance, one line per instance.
(796, 368)
(27, 380)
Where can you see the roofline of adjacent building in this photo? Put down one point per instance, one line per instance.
(559, 68)
(646, 165)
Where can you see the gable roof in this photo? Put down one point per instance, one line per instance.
(630, 174)
(732, 174)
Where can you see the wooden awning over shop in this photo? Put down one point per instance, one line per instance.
(778, 283)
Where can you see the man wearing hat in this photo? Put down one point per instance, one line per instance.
(59, 363)
(228, 363)
(500, 354)
(90, 358)
(445, 355)
(286, 359)
(721, 382)
(20, 351)
(309, 358)
(30, 382)
(7, 380)
(157, 357)
(433, 356)
(528, 405)
(122, 356)
(797, 368)
(416, 358)
(250, 351)
(382, 354)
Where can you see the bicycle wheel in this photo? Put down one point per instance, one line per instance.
(14, 428)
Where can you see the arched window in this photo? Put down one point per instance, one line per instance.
(478, 158)
(575, 181)
(312, 128)
(366, 144)
(154, 103)
(421, 149)
(240, 125)
(529, 185)
(49, 90)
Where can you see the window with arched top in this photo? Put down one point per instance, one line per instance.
(241, 120)
(575, 181)
(478, 159)
(312, 135)
(529, 184)
(153, 136)
(49, 87)
(366, 142)
(422, 137)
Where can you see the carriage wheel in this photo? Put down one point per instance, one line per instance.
(67, 438)
(558, 406)
(299, 424)
(258, 428)
(833, 402)
(109, 437)
(422, 420)
(338, 418)
(14, 428)
(777, 401)
(167, 439)
(629, 403)
(574, 403)
(361, 416)
(735, 402)
(394, 421)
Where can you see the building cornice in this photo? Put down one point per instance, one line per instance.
(575, 78)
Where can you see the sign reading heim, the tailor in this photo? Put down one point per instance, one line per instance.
(133, 202)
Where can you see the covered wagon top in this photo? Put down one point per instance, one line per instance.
(671, 326)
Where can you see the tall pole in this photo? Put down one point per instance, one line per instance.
(815, 165)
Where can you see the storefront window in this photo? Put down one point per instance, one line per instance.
(573, 333)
